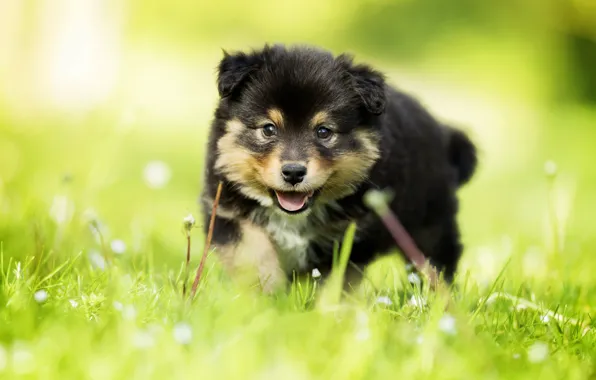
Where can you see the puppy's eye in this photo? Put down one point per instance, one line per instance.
(324, 133)
(269, 130)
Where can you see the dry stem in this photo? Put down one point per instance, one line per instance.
(195, 284)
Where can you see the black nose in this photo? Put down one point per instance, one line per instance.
(293, 173)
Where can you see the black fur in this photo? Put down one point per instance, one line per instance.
(421, 161)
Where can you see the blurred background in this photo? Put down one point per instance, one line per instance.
(105, 105)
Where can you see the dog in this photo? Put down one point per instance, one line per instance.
(298, 138)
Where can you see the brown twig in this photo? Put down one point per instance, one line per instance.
(195, 284)
(376, 201)
(406, 243)
(187, 263)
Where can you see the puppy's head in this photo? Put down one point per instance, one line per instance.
(299, 125)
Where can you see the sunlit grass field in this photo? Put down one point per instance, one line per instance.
(93, 246)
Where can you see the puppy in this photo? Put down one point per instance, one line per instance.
(298, 137)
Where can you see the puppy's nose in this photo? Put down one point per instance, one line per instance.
(293, 173)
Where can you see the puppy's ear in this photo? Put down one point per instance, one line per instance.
(234, 70)
(369, 84)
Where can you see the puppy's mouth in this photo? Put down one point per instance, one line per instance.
(293, 202)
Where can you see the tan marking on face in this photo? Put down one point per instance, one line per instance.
(239, 165)
(270, 168)
(317, 172)
(352, 168)
(253, 259)
(321, 117)
(370, 143)
(276, 117)
(314, 167)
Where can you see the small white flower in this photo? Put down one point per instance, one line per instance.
(189, 221)
(537, 352)
(384, 300)
(414, 279)
(73, 303)
(316, 273)
(157, 174)
(182, 333)
(3, 358)
(550, 168)
(417, 301)
(118, 246)
(143, 339)
(118, 305)
(545, 318)
(97, 260)
(40, 296)
(447, 324)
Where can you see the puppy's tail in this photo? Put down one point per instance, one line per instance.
(462, 155)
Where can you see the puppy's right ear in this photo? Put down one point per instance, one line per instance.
(234, 70)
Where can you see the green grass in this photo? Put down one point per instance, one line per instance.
(71, 308)
(67, 319)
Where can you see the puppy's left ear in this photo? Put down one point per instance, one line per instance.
(369, 84)
(234, 70)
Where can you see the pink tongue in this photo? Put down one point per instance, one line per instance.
(291, 201)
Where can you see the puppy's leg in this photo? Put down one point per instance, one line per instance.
(247, 254)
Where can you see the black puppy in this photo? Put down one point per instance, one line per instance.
(298, 138)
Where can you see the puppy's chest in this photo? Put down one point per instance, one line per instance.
(294, 235)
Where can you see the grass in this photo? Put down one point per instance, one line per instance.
(69, 319)
(93, 260)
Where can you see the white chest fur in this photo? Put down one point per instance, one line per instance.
(291, 234)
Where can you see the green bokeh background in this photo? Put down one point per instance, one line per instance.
(92, 91)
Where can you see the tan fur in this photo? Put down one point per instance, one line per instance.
(233, 160)
(352, 168)
(238, 164)
(270, 168)
(276, 117)
(253, 259)
(319, 118)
